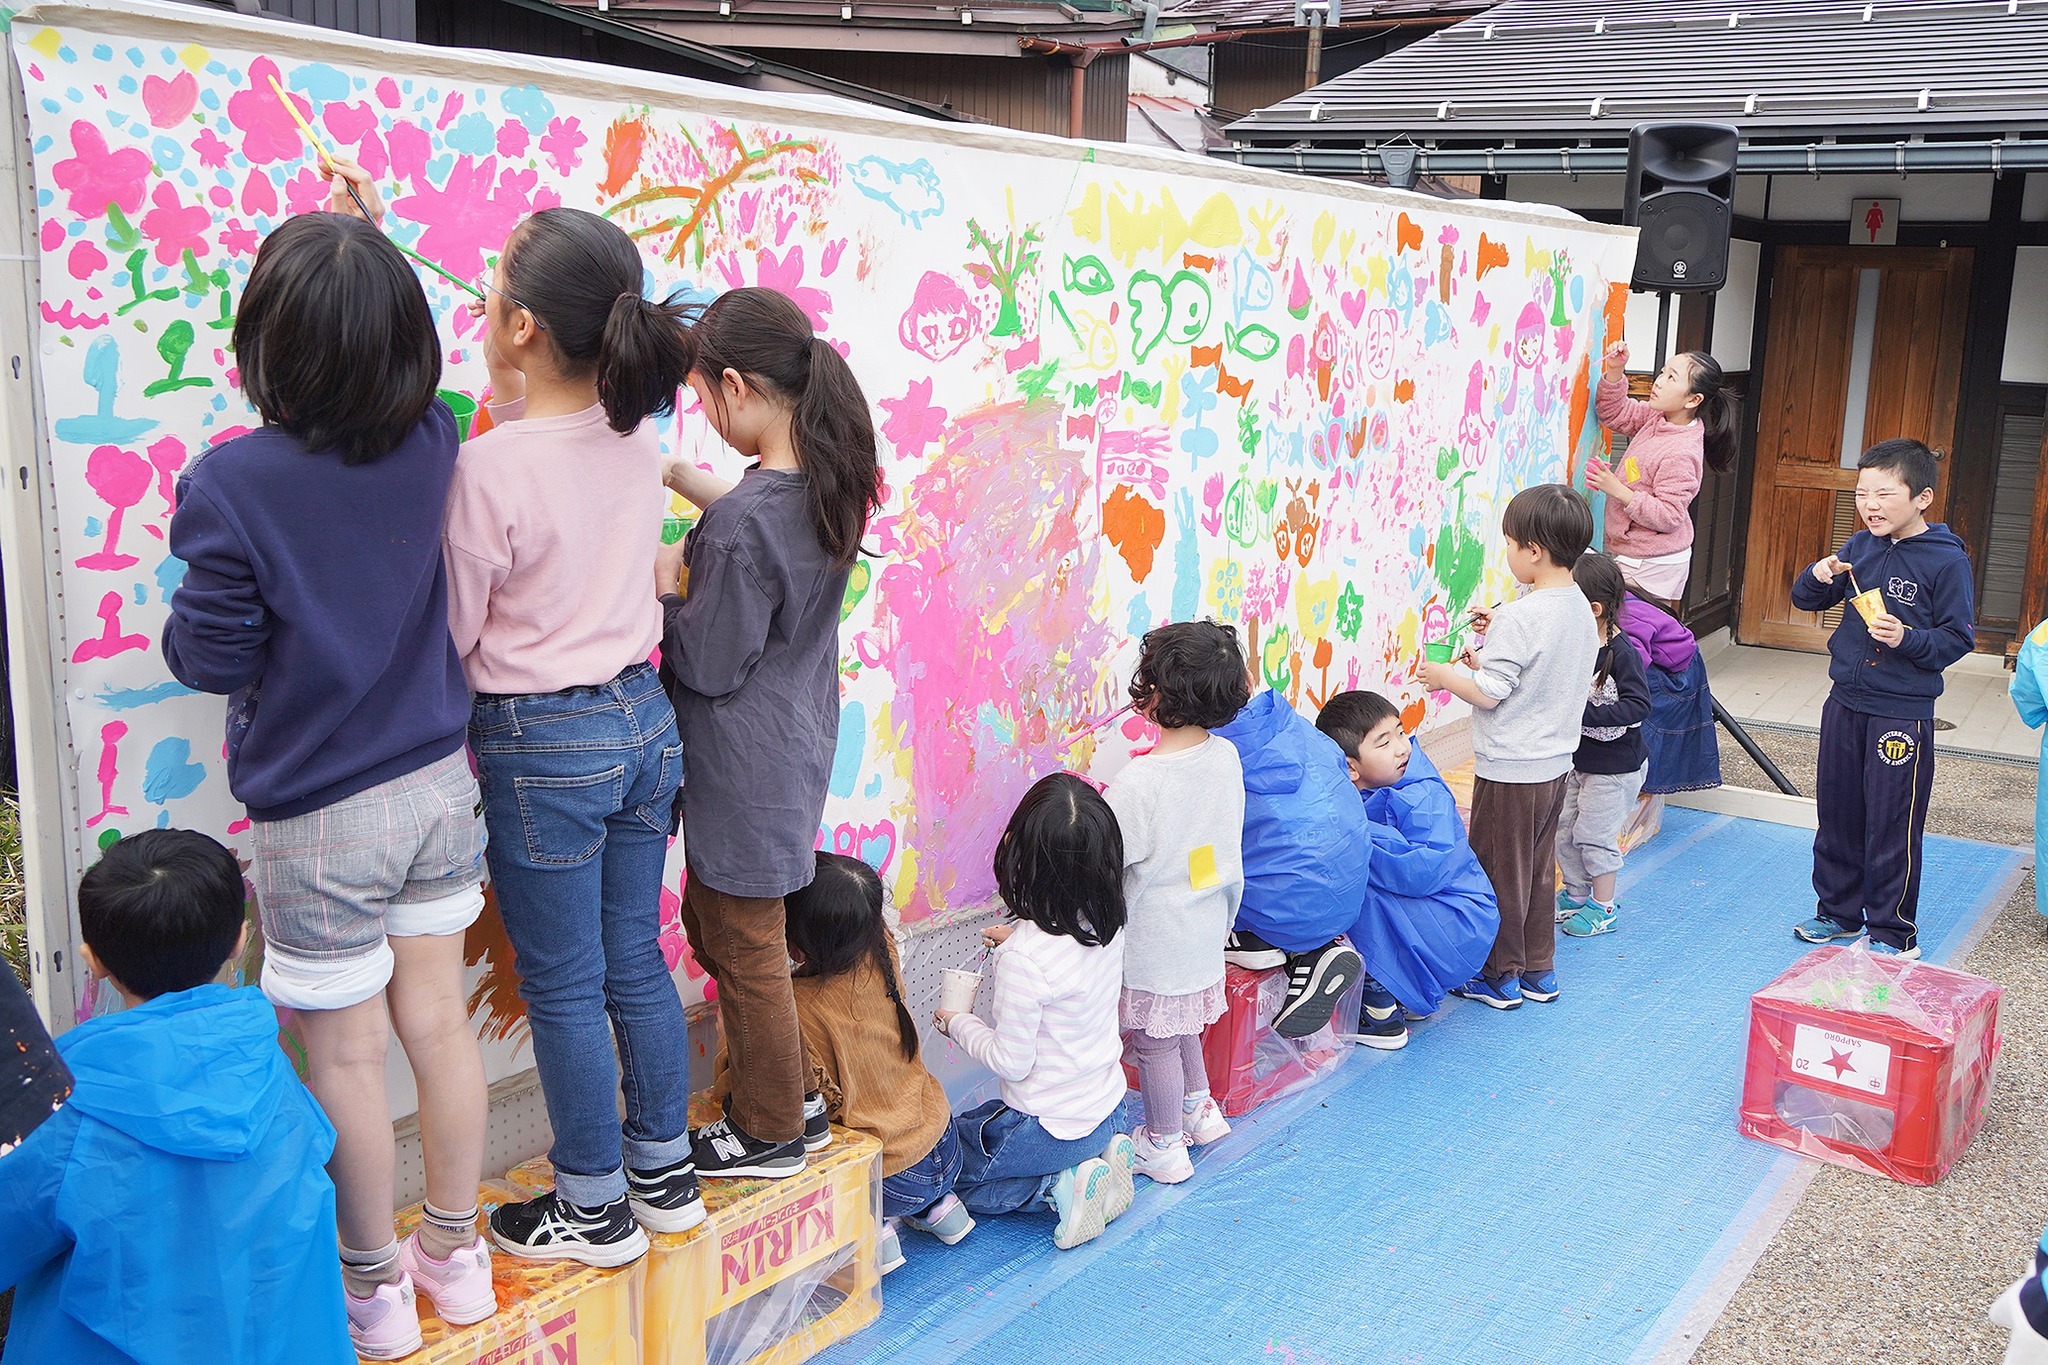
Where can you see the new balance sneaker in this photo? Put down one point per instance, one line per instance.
(1910, 954)
(1122, 1158)
(1080, 1195)
(723, 1148)
(1314, 982)
(948, 1220)
(550, 1228)
(386, 1325)
(1590, 919)
(888, 1248)
(817, 1123)
(1821, 929)
(459, 1287)
(1568, 904)
(1504, 994)
(666, 1199)
(1254, 954)
(1539, 986)
(1205, 1123)
(1166, 1162)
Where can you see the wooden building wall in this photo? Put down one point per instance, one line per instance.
(1027, 93)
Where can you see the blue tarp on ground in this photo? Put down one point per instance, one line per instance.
(1553, 1184)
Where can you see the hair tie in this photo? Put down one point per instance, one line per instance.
(632, 294)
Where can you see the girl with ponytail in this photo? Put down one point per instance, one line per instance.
(751, 656)
(552, 532)
(1690, 420)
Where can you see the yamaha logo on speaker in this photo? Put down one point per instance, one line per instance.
(1678, 270)
(1681, 190)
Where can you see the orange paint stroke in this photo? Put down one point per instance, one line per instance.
(1193, 262)
(1407, 234)
(1582, 398)
(1135, 527)
(623, 143)
(1492, 256)
(1404, 390)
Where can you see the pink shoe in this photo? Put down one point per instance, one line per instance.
(1206, 1124)
(460, 1287)
(386, 1325)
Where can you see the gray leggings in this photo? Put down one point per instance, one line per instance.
(1169, 1070)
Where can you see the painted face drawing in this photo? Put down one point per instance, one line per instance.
(941, 318)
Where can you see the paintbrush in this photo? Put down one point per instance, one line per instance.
(320, 150)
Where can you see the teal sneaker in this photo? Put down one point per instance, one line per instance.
(1080, 1194)
(1122, 1158)
(1568, 905)
(1592, 918)
(1821, 929)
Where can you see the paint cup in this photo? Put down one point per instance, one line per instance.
(957, 988)
(1870, 605)
(1439, 651)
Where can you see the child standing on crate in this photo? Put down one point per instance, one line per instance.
(1053, 1140)
(1181, 810)
(1528, 698)
(1612, 759)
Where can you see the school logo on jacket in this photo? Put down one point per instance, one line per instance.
(1903, 589)
(1895, 747)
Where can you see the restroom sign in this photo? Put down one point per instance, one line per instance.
(1873, 222)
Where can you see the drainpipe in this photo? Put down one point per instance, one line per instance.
(1080, 57)
(1314, 75)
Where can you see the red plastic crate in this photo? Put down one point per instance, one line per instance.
(1871, 1062)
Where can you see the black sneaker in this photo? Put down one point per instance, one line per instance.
(1314, 981)
(551, 1228)
(1254, 954)
(667, 1199)
(1380, 1024)
(817, 1123)
(722, 1148)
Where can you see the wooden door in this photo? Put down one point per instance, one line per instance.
(1883, 323)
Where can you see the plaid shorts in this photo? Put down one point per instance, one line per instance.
(403, 859)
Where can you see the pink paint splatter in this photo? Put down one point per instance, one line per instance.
(449, 110)
(411, 146)
(85, 260)
(512, 139)
(259, 195)
(561, 142)
(213, 151)
(71, 320)
(348, 122)
(914, 421)
(238, 239)
(120, 478)
(167, 457)
(174, 228)
(474, 212)
(52, 235)
(111, 735)
(268, 133)
(387, 93)
(97, 176)
(110, 640)
(305, 192)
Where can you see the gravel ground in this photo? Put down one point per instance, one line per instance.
(1869, 1270)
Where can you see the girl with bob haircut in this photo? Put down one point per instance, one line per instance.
(314, 577)
(552, 530)
(751, 658)
(1052, 1140)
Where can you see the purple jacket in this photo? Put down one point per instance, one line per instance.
(1660, 639)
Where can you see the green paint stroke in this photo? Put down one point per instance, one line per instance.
(1460, 558)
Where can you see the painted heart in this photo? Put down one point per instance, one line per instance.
(1354, 306)
(169, 101)
(878, 844)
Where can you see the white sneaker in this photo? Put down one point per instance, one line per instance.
(1167, 1162)
(385, 1326)
(1206, 1124)
(460, 1287)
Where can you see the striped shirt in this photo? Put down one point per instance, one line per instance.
(1054, 1044)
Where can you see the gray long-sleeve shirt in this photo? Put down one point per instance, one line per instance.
(1537, 664)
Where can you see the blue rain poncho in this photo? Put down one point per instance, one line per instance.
(177, 1208)
(2027, 682)
(1429, 914)
(1306, 851)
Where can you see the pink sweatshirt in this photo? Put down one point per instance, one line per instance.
(1662, 465)
(553, 524)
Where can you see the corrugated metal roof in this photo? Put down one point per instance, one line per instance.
(1095, 18)
(1235, 14)
(1568, 70)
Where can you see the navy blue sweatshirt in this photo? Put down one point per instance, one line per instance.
(314, 596)
(1621, 700)
(1929, 585)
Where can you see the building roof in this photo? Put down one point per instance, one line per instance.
(1256, 14)
(1564, 72)
(957, 26)
(1169, 121)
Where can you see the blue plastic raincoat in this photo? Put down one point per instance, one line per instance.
(177, 1208)
(1430, 914)
(2027, 683)
(1306, 851)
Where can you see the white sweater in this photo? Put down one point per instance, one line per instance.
(1054, 1044)
(1182, 817)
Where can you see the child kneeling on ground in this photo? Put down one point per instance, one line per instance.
(176, 1207)
(1429, 914)
(1608, 770)
(1052, 1140)
(863, 1049)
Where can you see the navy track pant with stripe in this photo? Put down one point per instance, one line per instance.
(1876, 774)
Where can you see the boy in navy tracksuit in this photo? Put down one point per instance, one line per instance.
(1877, 730)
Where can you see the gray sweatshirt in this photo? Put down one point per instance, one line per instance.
(1538, 661)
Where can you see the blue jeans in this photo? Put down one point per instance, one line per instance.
(577, 787)
(916, 1188)
(1008, 1160)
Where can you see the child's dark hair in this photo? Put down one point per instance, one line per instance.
(580, 276)
(1911, 460)
(1719, 412)
(1196, 671)
(1060, 864)
(1552, 516)
(1349, 717)
(835, 924)
(763, 336)
(333, 340)
(162, 910)
(1599, 577)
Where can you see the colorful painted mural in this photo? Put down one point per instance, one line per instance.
(1114, 390)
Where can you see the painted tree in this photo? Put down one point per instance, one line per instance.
(1010, 264)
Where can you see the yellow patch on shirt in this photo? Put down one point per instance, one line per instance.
(2040, 635)
(1202, 867)
(1630, 470)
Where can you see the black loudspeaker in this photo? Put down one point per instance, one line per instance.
(1681, 193)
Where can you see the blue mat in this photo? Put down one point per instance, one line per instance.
(1553, 1184)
